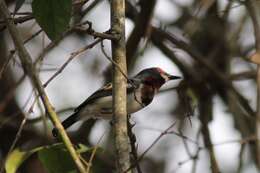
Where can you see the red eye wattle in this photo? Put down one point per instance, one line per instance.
(159, 70)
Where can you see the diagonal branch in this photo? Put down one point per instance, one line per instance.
(141, 29)
(72, 56)
(200, 59)
(29, 69)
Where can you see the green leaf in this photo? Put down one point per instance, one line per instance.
(52, 15)
(16, 158)
(54, 157)
(57, 159)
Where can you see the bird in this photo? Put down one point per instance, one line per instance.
(141, 90)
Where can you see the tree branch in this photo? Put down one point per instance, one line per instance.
(141, 29)
(119, 86)
(201, 60)
(253, 8)
(29, 69)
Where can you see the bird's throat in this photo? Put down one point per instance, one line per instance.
(147, 94)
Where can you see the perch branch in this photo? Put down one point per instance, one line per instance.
(119, 87)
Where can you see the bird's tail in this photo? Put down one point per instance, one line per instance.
(67, 123)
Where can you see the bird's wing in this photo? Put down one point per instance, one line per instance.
(106, 90)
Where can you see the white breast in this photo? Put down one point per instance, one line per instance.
(134, 102)
(102, 108)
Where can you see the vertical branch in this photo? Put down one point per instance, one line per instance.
(140, 30)
(205, 109)
(258, 118)
(253, 8)
(29, 69)
(119, 86)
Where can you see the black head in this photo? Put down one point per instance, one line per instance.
(155, 76)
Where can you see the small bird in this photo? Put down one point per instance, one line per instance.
(140, 93)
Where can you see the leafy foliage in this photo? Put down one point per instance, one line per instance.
(15, 159)
(52, 16)
(55, 158)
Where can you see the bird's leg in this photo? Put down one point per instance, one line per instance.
(112, 122)
(55, 132)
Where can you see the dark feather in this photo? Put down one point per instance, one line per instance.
(67, 123)
(70, 120)
(106, 91)
(102, 92)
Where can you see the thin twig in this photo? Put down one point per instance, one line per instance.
(90, 7)
(16, 21)
(121, 71)
(174, 133)
(11, 55)
(11, 93)
(72, 56)
(196, 156)
(17, 136)
(166, 131)
(54, 43)
(185, 144)
(32, 36)
(240, 163)
(30, 70)
(93, 153)
(12, 52)
(21, 13)
(29, 16)
(202, 60)
(95, 34)
(113, 62)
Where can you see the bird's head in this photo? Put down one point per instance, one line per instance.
(155, 77)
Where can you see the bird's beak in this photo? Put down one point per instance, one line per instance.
(171, 77)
